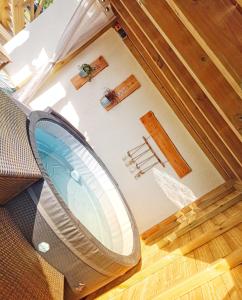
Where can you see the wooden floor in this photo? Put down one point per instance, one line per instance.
(194, 254)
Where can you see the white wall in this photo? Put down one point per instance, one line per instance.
(113, 133)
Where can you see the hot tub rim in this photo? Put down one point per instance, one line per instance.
(125, 260)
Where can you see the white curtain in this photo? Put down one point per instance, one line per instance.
(88, 19)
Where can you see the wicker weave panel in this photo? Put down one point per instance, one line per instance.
(12, 186)
(24, 274)
(16, 155)
(35, 229)
(18, 168)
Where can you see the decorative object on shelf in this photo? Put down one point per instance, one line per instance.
(93, 69)
(165, 144)
(123, 91)
(120, 30)
(109, 97)
(141, 159)
(86, 70)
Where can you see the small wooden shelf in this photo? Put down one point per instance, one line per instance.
(99, 64)
(124, 90)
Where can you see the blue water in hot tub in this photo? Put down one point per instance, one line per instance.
(74, 182)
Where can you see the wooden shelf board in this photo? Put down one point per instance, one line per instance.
(124, 90)
(99, 64)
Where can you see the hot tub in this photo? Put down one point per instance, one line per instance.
(81, 223)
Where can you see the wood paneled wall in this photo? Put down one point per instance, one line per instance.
(191, 50)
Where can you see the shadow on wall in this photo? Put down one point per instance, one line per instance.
(176, 192)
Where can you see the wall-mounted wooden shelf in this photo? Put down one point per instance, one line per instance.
(124, 90)
(99, 64)
(165, 144)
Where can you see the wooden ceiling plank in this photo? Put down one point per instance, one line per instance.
(199, 65)
(176, 96)
(217, 27)
(17, 15)
(4, 13)
(185, 78)
(239, 2)
(31, 5)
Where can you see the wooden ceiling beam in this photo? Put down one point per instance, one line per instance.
(202, 103)
(196, 61)
(217, 27)
(177, 97)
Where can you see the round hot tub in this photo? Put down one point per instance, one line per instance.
(81, 223)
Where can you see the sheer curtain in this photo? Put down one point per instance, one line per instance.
(88, 19)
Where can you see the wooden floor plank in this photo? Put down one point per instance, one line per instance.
(220, 247)
(184, 245)
(193, 265)
(216, 269)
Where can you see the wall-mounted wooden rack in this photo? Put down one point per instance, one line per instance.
(124, 90)
(141, 159)
(165, 144)
(99, 64)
